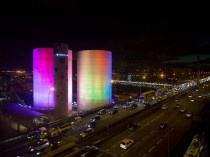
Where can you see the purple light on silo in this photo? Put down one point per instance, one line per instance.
(43, 77)
(69, 80)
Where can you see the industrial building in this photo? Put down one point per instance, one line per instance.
(52, 80)
(94, 75)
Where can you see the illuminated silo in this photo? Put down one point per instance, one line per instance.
(43, 77)
(94, 75)
(61, 80)
(52, 68)
(69, 80)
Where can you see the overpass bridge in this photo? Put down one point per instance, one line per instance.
(179, 87)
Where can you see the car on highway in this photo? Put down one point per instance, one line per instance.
(127, 105)
(133, 106)
(199, 96)
(41, 144)
(133, 126)
(192, 100)
(102, 111)
(146, 104)
(113, 111)
(125, 143)
(178, 105)
(176, 99)
(116, 106)
(163, 125)
(190, 95)
(87, 132)
(91, 124)
(54, 145)
(76, 120)
(41, 152)
(32, 135)
(164, 107)
(88, 150)
(188, 114)
(96, 118)
(182, 109)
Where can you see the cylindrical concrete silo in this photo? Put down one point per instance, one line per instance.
(43, 78)
(94, 75)
(69, 80)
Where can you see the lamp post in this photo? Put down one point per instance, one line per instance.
(51, 89)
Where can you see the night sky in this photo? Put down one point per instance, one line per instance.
(135, 33)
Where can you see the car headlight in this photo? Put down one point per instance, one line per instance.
(37, 153)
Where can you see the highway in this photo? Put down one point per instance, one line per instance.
(149, 139)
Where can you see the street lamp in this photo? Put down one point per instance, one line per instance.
(51, 89)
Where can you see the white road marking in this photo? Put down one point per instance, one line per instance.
(144, 155)
(145, 137)
(152, 120)
(151, 148)
(131, 134)
(166, 135)
(153, 131)
(136, 144)
(113, 146)
(125, 152)
(146, 124)
(99, 155)
(171, 129)
(159, 141)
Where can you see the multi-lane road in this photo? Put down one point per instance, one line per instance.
(149, 139)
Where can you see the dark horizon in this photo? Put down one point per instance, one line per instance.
(132, 34)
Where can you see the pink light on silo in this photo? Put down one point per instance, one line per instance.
(69, 80)
(43, 77)
(94, 70)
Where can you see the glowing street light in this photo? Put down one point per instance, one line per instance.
(162, 75)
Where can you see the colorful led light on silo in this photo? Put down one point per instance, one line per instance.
(94, 75)
(69, 80)
(43, 79)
